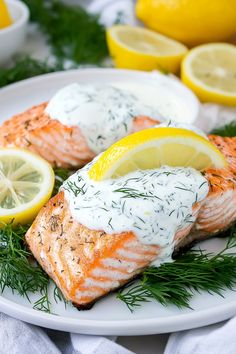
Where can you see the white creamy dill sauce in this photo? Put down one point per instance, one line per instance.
(154, 204)
(159, 97)
(103, 113)
(173, 124)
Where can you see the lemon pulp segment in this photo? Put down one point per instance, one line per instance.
(210, 71)
(26, 183)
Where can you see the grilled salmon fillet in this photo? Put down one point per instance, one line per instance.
(88, 264)
(61, 145)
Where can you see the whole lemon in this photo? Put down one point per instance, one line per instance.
(190, 21)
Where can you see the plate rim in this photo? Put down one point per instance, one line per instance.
(190, 97)
(140, 326)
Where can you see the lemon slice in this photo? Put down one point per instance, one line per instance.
(152, 148)
(26, 183)
(210, 71)
(5, 19)
(142, 49)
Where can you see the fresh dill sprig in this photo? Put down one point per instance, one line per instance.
(175, 283)
(18, 271)
(71, 32)
(228, 130)
(74, 188)
(61, 174)
(25, 68)
(133, 193)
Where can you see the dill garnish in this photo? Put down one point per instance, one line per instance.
(26, 68)
(61, 174)
(228, 130)
(17, 269)
(71, 32)
(175, 283)
(133, 193)
(74, 188)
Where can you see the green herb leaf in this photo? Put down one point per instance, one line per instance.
(61, 174)
(25, 68)
(228, 130)
(17, 269)
(175, 283)
(71, 31)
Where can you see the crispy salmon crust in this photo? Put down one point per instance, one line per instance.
(88, 264)
(61, 145)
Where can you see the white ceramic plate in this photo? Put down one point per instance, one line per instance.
(110, 316)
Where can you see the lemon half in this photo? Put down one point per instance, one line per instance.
(142, 49)
(152, 148)
(26, 184)
(191, 22)
(5, 18)
(210, 71)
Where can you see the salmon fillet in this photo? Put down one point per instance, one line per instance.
(87, 264)
(61, 145)
(218, 211)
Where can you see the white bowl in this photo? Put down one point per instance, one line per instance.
(13, 36)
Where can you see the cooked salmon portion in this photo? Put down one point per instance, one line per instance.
(61, 145)
(218, 211)
(88, 264)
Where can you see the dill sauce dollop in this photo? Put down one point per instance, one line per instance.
(103, 113)
(154, 204)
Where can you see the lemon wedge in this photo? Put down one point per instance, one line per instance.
(5, 18)
(142, 49)
(210, 71)
(26, 184)
(152, 148)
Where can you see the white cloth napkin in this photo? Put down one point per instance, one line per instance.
(216, 339)
(17, 337)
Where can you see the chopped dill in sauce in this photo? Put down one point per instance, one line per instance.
(154, 204)
(104, 113)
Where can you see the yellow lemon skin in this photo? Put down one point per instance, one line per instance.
(154, 147)
(5, 18)
(215, 62)
(190, 21)
(129, 48)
